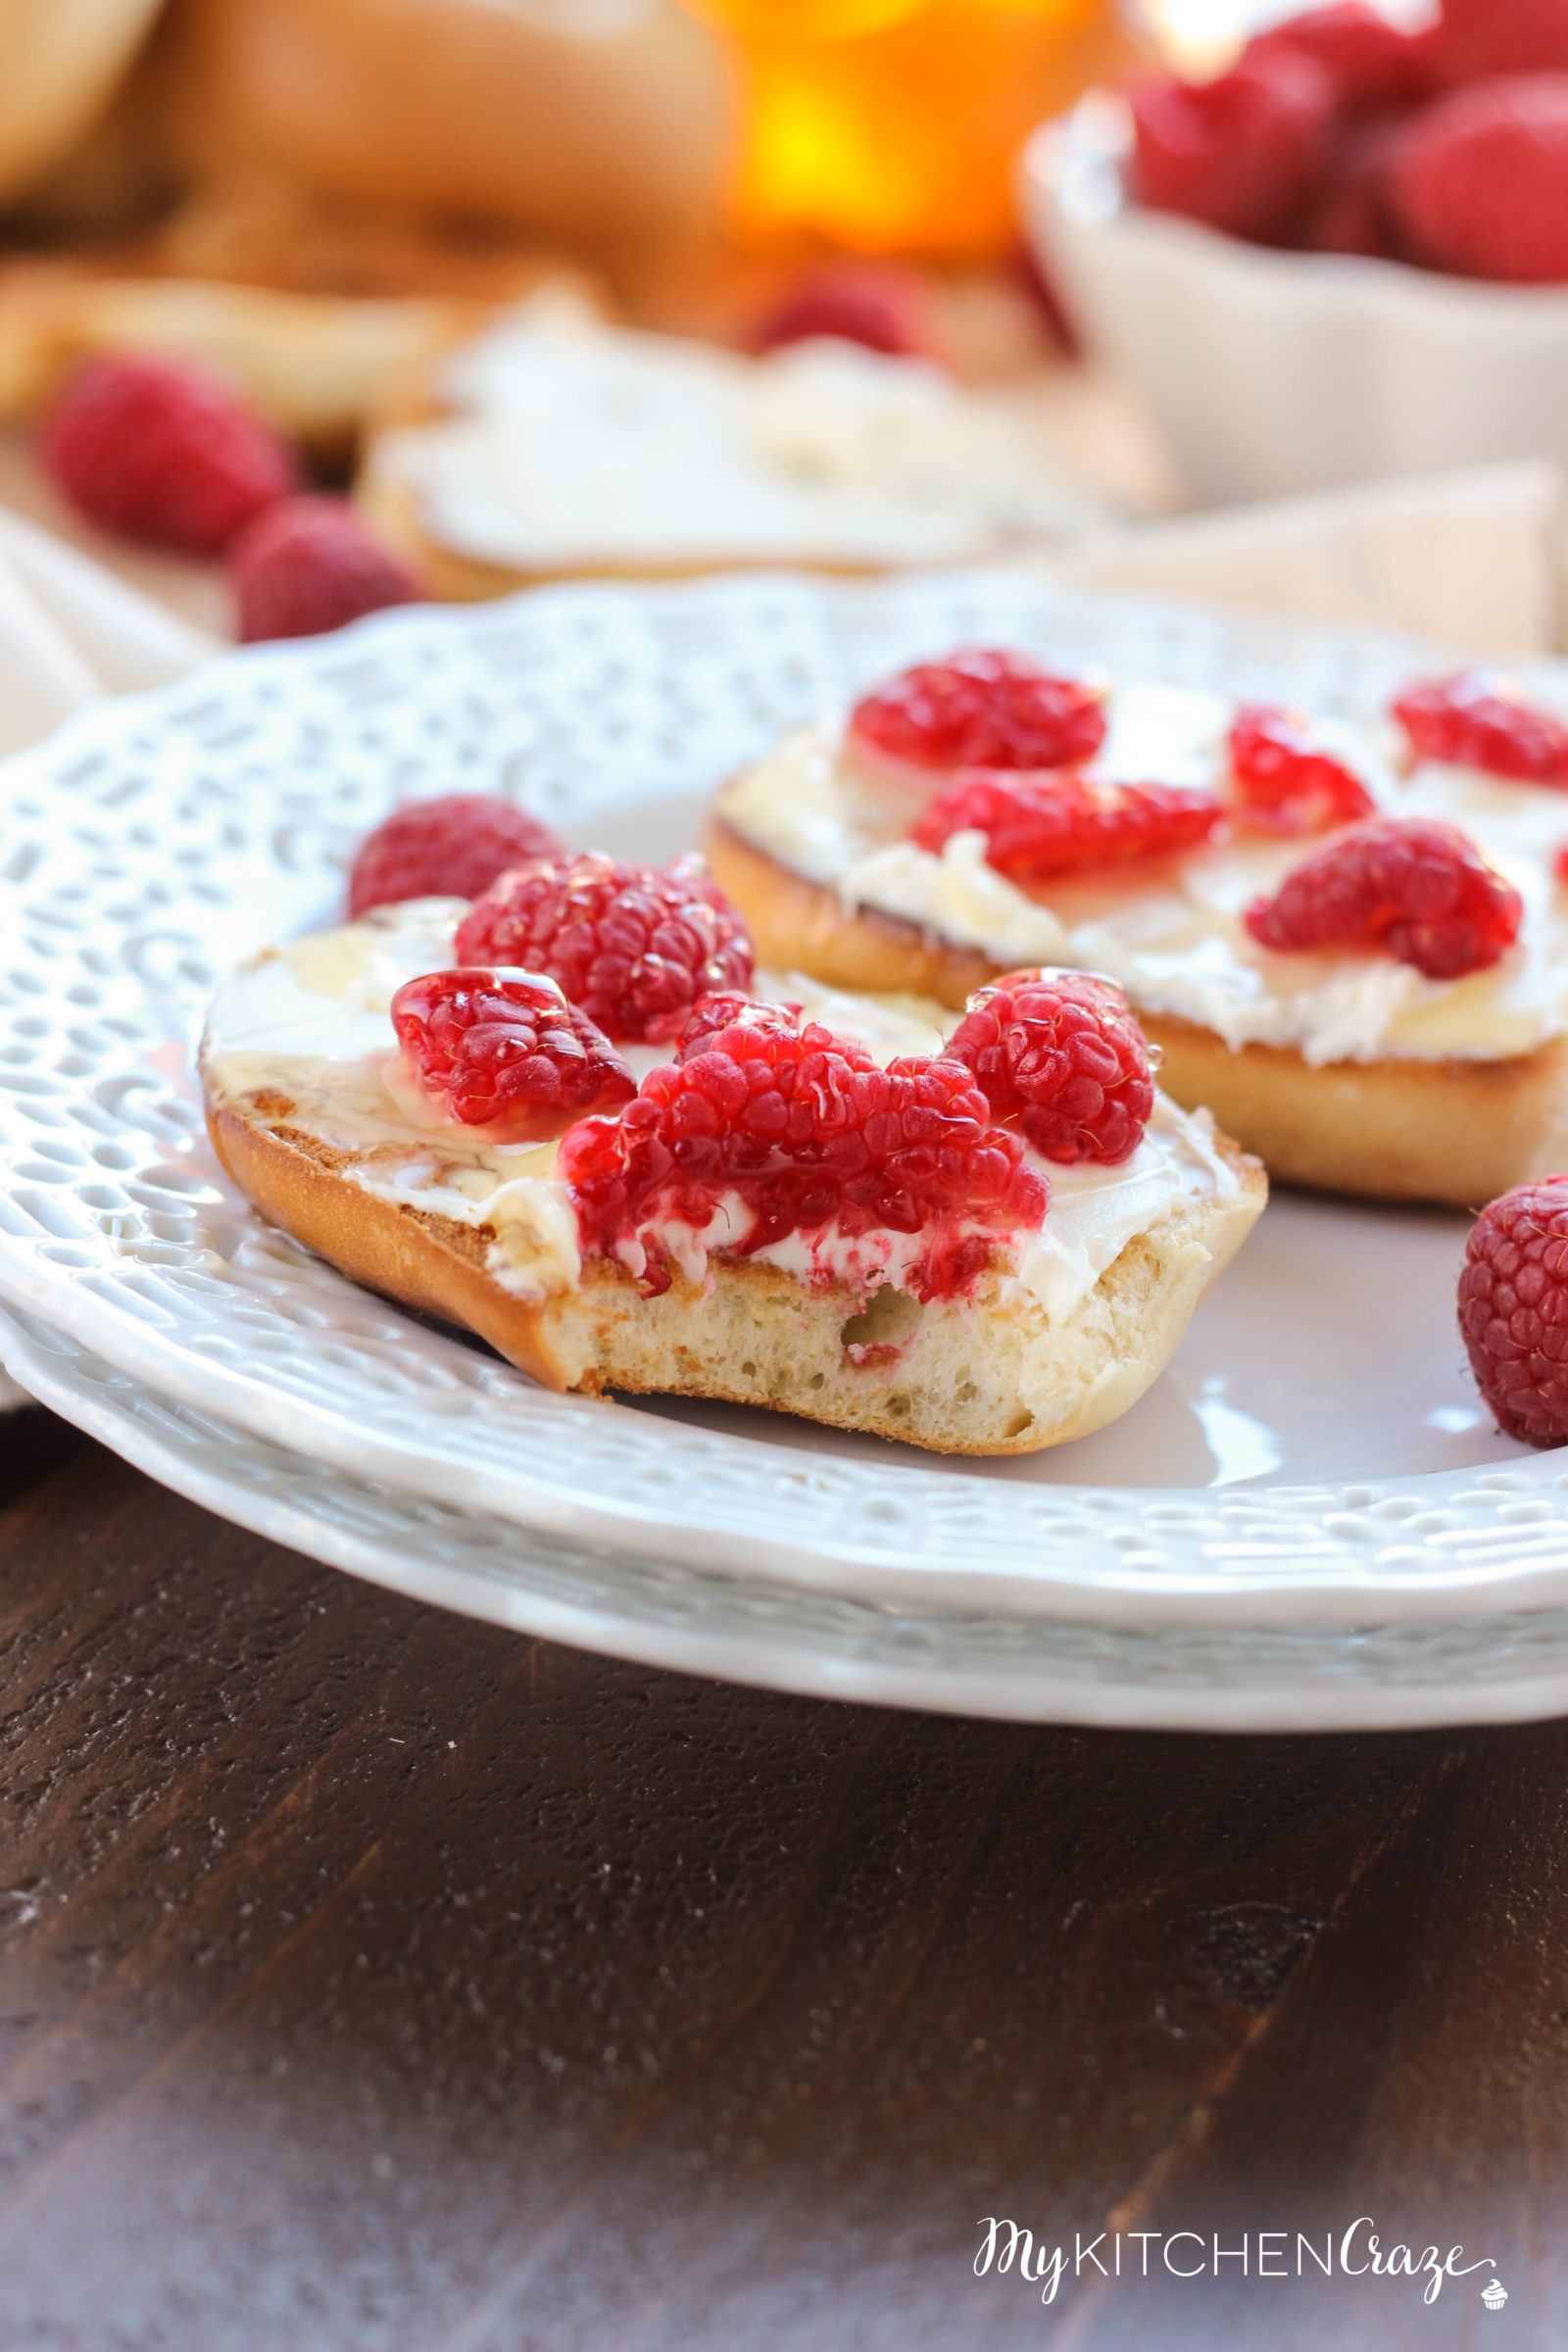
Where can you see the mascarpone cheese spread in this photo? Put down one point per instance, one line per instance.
(309, 1022)
(1174, 940)
(571, 445)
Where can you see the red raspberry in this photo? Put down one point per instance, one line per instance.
(493, 1046)
(1038, 826)
(1368, 61)
(1479, 183)
(1061, 1053)
(1417, 890)
(881, 306)
(1477, 38)
(1283, 783)
(809, 1131)
(980, 707)
(157, 451)
(1513, 1309)
(633, 946)
(725, 1011)
(1243, 153)
(312, 565)
(450, 848)
(1350, 211)
(1470, 721)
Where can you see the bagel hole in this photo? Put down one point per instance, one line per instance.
(888, 1319)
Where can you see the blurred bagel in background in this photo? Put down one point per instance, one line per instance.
(605, 122)
(63, 62)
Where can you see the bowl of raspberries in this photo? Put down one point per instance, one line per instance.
(1345, 257)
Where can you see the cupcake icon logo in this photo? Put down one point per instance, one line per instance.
(1493, 2294)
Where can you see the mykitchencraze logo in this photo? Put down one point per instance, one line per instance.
(1354, 2253)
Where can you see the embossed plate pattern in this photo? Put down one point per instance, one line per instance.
(1494, 1668)
(156, 841)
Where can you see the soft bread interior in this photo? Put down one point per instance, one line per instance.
(992, 1374)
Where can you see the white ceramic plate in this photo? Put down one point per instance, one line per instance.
(1496, 1667)
(1314, 1456)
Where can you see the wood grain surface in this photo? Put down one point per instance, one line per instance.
(371, 1981)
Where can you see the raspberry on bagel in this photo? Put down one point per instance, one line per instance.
(1349, 940)
(981, 1243)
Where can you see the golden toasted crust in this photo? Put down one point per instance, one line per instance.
(987, 1375)
(1457, 1132)
(318, 366)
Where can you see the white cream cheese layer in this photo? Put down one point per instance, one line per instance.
(310, 1023)
(568, 444)
(1175, 940)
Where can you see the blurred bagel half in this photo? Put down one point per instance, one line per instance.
(606, 124)
(60, 62)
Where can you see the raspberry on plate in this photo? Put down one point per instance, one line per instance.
(1479, 183)
(312, 565)
(1039, 826)
(1409, 887)
(980, 707)
(808, 1131)
(633, 946)
(156, 449)
(1243, 153)
(1061, 1054)
(1284, 782)
(1368, 61)
(1471, 721)
(450, 848)
(1513, 1309)
(492, 1046)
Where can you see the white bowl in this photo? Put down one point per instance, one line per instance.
(1275, 373)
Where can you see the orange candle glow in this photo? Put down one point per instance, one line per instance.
(890, 126)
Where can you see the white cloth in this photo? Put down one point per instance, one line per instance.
(71, 631)
(1475, 559)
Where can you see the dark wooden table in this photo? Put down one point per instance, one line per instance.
(373, 1979)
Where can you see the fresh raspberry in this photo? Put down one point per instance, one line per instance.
(1368, 61)
(1478, 38)
(1038, 826)
(980, 707)
(492, 1046)
(450, 848)
(632, 947)
(1471, 721)
(723, 1010)
(880, 307)
(1416, 890)
(1513, 1309)
(809, 1131)
(1061, 1054)
(1243, 153)
(1479, 183)
(157, 451)
(1350, 211)
(1282, 782)
(312, 565)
